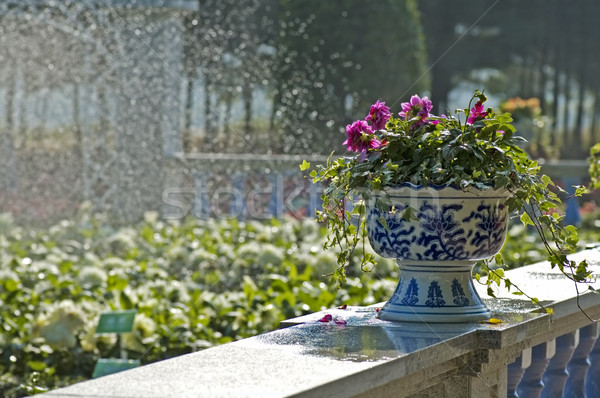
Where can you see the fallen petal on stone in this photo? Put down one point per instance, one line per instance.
(326, 318)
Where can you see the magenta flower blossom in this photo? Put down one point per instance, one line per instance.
(477, 113)
(378, 115)
(360, 137)
(417, 107)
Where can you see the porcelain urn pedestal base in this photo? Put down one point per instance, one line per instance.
(431, 292)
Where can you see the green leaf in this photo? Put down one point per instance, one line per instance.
(547, 180)
(499, 259)
(580, 190)
(526, 220)
(38, 366)
(125, 301)
(11, 285)
(384, 223)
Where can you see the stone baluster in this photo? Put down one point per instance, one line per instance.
(572, 215)
(531, 385)
(276, 202)
(578, 367)
(592, 380)
(556, 374)
(515, 372)
(201, 201)
(314, 201)
(237, 206)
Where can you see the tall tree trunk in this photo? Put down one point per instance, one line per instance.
(440, 87)
(559, 51)
(189, 106)
(577, 137)
(594, 133)
(247, 94)
(544, 59)
(555, 97)
(228, 113)
(277, 97)
(8, 157)
(566, 88)
(103, 108)
(207, 110)
(10, 105)
(76, 120)
(527, 77)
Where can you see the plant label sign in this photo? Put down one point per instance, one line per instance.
(109, 366)
(116, 322)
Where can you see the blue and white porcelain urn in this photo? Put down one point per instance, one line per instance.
(436, 248)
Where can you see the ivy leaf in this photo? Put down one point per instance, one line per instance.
(580, 190)
(305, 165)
(384, 223)
(526, 220)
(409, 214)
(547, 180)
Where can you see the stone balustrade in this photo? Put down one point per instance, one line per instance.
(529, 354)
(263, 186)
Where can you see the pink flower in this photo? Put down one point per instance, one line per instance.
(477, 113)
(360, 138)
(378, 115)
(417, 107)
(339, 321)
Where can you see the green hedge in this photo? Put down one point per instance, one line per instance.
(196, 284)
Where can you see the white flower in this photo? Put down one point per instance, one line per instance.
(92, 277)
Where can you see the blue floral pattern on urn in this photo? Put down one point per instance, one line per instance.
(436, 243)
(472, 228)
(459, 294)
(412, 293)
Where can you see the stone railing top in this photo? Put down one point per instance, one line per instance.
(564, 167)
(550, 285)
(190, 5)
(309, 359)
(312, 358)
(211, 162)
(252, 161)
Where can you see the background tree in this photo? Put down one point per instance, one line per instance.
(536, 49)
(335, 59)
(227, 51)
